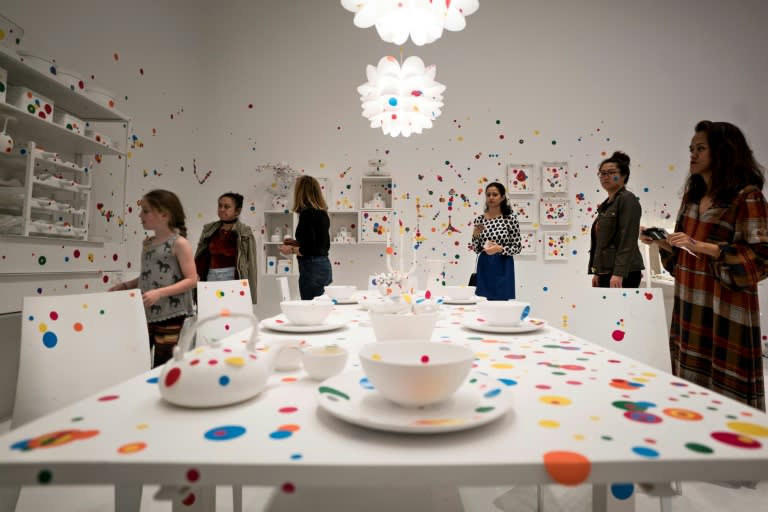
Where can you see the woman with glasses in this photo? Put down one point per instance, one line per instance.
(718, 253)
(614, 258)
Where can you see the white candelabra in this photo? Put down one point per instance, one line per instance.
(395, 282)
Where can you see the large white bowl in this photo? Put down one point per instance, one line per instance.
(459, 292)
(340, 292)
(415, 374)
(306, 312)
(395, 326)
(504, 312)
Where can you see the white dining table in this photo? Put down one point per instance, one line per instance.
(576, 413)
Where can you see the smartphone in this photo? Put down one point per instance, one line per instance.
(656, 233)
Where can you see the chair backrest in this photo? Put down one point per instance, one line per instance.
(285, 293)
(76, 345)
(629, 321)
(215, 297)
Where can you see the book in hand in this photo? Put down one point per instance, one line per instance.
(655, 233)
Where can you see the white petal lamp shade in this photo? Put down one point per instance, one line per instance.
(422, 20)
(401, 100)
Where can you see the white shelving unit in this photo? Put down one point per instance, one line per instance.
(285, 222)
(45, 186)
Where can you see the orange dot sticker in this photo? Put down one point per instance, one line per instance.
(567, 468)
(131, 448)
(78, 327)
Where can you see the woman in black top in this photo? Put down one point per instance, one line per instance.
(614, 258)
(313, 238)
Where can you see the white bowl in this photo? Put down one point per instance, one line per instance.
(459, 292)
(394, 326)
(306, 312)
(340, 292)
(504, 312)
(415, 374)
(321, 363)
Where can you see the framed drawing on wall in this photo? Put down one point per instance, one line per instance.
(529, 240)
(525, 210)
(555, 245)
(554, 177)
(554, 212)
(520, 179)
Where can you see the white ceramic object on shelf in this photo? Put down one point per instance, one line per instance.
(504, 313)
(241, 372)
(321, 363)
(415, 374)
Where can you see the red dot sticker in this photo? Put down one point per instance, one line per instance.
(425, 359)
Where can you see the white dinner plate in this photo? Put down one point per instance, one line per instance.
(476, 323)
(463, 302)
(342, 302)
(281, 324)
(351, 397)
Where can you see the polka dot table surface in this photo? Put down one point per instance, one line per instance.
(577, 413)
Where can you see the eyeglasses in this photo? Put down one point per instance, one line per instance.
(602, 174)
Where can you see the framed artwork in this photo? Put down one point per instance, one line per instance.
(520, 179)
(555, 212)
(555, 245)
(529, 241)
(525, 210)
(554, 177)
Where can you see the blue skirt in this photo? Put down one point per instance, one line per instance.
(495, 277)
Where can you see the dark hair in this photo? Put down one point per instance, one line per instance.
(307, 193)
(167, 202)
(732, 163)
(506, 210)
(621, 160)
(236, 198)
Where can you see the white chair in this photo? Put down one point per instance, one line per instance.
(285, 292)
(217, 297)
(74, 346)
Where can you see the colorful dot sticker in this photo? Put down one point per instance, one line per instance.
(225, 433)
(567, 468)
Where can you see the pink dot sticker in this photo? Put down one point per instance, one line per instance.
(425, 359)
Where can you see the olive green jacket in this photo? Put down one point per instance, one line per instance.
(247, 267)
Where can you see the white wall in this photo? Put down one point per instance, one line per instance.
(593, 77)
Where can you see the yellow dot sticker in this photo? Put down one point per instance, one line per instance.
(751, 429)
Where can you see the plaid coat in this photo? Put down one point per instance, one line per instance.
(715, 334)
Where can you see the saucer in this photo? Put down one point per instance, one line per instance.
(463, 302)
(528, 325)
(281, 324)
(351, 397)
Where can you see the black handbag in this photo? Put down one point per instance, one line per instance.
(473, 275)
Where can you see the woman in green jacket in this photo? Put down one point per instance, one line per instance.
(227, 248)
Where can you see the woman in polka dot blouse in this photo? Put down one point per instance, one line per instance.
(496, 239)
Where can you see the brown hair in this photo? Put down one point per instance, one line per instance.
(621, 160)
(308, 194)
(732, 164)
(168, 203)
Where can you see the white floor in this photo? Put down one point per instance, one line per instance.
(696, 497)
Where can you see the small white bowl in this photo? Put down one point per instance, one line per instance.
(340, 292)
(459, 292)
(415, 374)
(504, 312)
(306, 312)
(394, 326)
(321, 363)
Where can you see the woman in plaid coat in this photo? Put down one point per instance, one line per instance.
(718, 253)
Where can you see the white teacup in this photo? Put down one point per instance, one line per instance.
(321, 363)
(459, 292)
(306, 312)
(340, 292)
(504, 312)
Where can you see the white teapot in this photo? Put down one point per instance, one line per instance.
(217, 373)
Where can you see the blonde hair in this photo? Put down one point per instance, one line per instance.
(308, 194)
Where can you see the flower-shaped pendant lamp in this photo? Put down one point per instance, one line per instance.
(401, 100)
(423, 20)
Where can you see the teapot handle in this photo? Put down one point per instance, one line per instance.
(187, 334)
